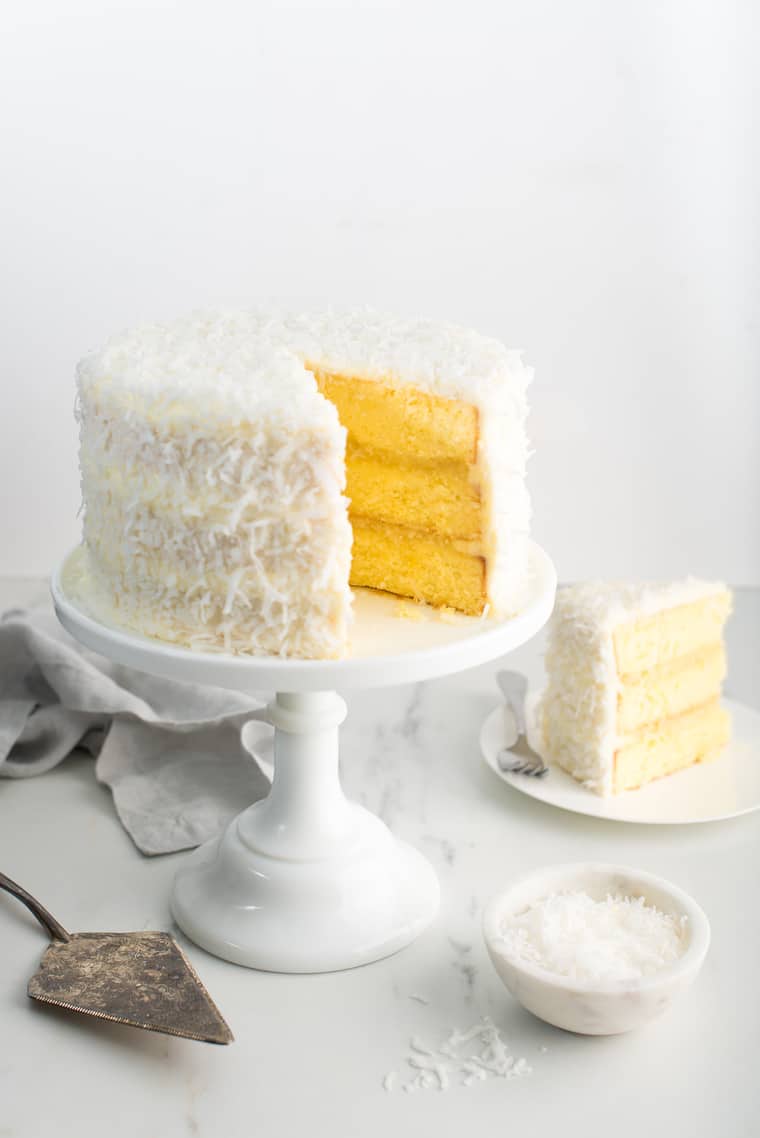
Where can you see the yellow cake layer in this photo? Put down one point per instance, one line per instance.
(437, 498)
(409, 422)
(414, 500)
(671, 689)
(643, 644)
(670, 745)
(412, 564)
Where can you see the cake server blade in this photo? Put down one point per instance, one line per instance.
(142, 979)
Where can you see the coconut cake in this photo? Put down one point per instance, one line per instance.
(634, 676)
(241, 470)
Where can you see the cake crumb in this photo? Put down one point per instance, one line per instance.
(410, 610)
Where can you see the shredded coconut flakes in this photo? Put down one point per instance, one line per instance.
(615, 939)
(464, 1057)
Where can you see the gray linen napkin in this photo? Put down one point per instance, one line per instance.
(177, 757)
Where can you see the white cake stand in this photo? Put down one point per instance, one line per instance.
(306, 881)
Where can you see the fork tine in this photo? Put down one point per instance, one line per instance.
(507, 762)
(510, 763)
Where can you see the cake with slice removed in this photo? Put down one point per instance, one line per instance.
(634, 675)
(240, 470)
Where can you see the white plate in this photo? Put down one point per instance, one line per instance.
(724, 788)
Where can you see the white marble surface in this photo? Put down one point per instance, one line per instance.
(311, 1051)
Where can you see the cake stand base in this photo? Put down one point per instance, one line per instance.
(305, 881)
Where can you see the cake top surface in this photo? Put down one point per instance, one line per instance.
(247, 360)
(602, 604)
(211, 361)
(447, 357)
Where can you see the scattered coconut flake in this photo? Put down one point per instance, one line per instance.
(463, 1057)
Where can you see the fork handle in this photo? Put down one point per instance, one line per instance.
(46, 919)
(514, 687)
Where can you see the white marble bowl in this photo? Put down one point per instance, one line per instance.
(604, 1008)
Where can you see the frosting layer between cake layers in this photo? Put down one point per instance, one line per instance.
(634, 679)
(214, 462)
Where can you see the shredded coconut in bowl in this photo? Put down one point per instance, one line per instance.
(618, 938)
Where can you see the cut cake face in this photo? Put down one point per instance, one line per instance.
(634, 675)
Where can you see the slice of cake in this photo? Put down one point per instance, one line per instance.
(215, 452)
(634, 674)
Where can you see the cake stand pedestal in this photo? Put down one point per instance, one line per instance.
(306, 881)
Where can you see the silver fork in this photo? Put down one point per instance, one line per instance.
(514, 688)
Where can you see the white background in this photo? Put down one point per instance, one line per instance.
(575, 178)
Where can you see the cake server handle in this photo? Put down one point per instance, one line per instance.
(54, 927)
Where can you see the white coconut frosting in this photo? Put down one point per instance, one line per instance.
(575, 715)
(213, 470)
